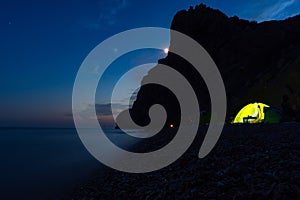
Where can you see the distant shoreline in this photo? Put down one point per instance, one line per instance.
(11, 127)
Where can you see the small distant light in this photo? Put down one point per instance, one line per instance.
(171, 126)
(166, 50)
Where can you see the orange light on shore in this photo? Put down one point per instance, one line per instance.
(171, 126)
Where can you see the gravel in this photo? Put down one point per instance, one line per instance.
(249, 162)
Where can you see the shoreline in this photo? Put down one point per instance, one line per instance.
(249, 161)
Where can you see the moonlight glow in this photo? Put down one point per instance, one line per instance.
(166, 50)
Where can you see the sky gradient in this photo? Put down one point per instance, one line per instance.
(43, 44)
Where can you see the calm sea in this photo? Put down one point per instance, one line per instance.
(45, 163)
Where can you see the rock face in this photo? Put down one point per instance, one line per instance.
(259, 62)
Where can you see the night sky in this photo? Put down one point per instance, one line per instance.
(43, 44)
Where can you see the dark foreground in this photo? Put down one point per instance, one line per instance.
(249, 162)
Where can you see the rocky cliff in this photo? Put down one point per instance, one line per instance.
(259, 62)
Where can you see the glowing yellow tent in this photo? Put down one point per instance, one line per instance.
(251, 113)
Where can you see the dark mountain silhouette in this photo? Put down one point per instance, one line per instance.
(259, 62)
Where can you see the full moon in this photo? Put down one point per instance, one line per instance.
(166, 50)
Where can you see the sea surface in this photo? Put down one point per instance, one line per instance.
(45, 163)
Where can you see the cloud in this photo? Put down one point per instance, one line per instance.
(103, 112)
(107, 14)
(105, 109)
(68, 115)
(277, 10)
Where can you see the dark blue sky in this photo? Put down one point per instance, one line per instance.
(43, 44)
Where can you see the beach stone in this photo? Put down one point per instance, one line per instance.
(267, 169)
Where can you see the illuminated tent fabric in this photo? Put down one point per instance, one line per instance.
(258, 113)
